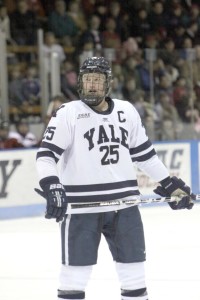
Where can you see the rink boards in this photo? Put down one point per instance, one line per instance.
(18, 176)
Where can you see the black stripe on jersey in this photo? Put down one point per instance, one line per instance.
(46, 154)
(52, 147)
(103, 197)
(141, 147)
(145, 156)
(101, 186)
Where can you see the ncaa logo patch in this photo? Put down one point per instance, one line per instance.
(83, 116)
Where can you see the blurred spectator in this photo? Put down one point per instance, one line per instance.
(192, 113)
(151, 41)
(115, 12)
(126, 25)
(187, 109)
(111, 40)
(192, 31)
(23, 24)
(5, 141)
(158, 19)
(88, 7)
(129, 89)
(16, 96)
(176, 17)
(167, 119)
(23, 135)
(67, 42)
(146, 111)
(172, 72)
(180, 90)
(41, 13)
(60, 23)
(37, 7)
(92, 34)
(135, 5)
(187, 44)
(10, 4)
(196, 65)
(31, 86)
(194, 14)
(171, 3)
(140, 26)
(69, 81)
(187, 55)
(181, 96)
(76, 13)
(116, 91)
(168, 53)
(86, 51)
(197, 92)
(5, 24)
(159, 69)
(51, 46)
(178, 35)
(118, 72)
(48, 6)
(144, 108)
(101, 10)
(130, 70)
(144, 75)
(164, 86)
(129, 48)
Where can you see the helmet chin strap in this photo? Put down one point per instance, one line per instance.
(91, 101)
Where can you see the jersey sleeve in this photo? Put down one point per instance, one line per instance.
(142, 152)
(55, 141)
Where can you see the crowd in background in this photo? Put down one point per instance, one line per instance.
(21, 135)
(120, 31)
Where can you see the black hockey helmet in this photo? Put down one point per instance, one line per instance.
(94, 65)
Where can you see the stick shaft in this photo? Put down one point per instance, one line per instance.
(136, 200)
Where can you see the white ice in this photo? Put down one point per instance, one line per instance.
(30, 258)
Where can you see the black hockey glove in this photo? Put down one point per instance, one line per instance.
(176, 187)
(54, 193)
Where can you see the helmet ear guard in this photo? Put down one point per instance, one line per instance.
(94, 65)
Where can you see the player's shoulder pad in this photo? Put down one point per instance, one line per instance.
(66, 107)
(125, 104)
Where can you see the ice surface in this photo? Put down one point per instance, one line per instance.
(30, 258)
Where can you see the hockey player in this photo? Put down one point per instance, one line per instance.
(97, 139)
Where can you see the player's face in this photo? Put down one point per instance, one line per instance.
(94, 84)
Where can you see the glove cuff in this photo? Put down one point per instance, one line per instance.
(165, 182)
(48, 180)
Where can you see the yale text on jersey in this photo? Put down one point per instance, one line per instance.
(106, 134)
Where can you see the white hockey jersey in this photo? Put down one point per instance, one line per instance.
(97, 152)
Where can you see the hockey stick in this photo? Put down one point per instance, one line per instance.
(136, 200)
